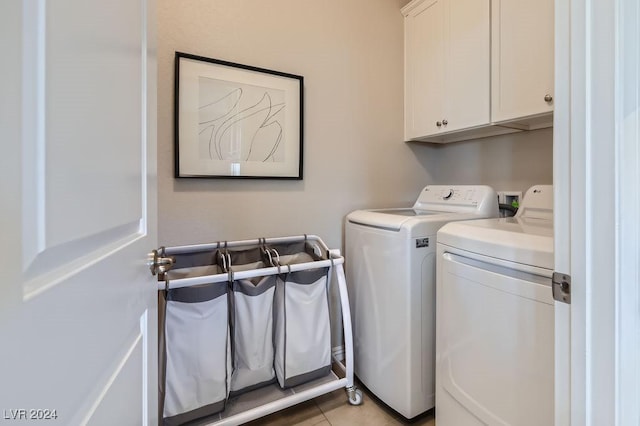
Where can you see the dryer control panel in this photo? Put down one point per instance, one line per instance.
(537, 203)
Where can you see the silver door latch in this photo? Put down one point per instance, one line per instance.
(158, 263)
(561, 284)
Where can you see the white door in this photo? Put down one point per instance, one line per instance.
(597, 205)
(77, 173)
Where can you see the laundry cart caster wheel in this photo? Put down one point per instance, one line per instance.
(355, 396)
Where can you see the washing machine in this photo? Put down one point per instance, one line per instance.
(390, 265)
(495, 318)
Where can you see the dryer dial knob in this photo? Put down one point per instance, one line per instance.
(447, 194)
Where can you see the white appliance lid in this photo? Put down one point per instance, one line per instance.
(526, 241)
(526, 238)
(407, 212)
(394, 219)
(434, 203)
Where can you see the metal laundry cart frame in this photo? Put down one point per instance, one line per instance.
(160, 262)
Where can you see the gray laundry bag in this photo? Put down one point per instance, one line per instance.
(252, 350)
(195, 351)
(252, 332)
(302, 329)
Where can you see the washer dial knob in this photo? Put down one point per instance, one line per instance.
(447, 194)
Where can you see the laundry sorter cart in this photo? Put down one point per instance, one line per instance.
(245, 329)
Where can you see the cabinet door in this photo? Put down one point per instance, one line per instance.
(424, 68)
(522, 58)
(467, 71)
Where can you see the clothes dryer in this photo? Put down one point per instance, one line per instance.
(495, 318)
(390, 264)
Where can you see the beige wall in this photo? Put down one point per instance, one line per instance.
(351, 56)
(507, 163)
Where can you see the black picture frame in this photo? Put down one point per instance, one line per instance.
(236, 121)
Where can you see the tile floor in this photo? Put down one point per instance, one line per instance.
(332, 409)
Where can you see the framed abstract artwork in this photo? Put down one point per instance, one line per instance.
(236, 121)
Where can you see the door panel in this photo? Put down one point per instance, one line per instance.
(78, 312)
(82, 192)
(121, 392)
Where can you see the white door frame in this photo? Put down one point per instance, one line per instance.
(627, 117)
(596, 162)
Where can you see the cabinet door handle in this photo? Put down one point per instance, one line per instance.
(548, 98)
(438, 123)
(445, 122)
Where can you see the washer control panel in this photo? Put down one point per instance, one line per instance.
(456, 197)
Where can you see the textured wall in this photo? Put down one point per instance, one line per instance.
(507, 163)
(351, 56)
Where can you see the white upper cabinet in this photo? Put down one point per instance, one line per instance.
(476, 68)
(424, 68)
(466, 77)
(446, 66)
(522, 61)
